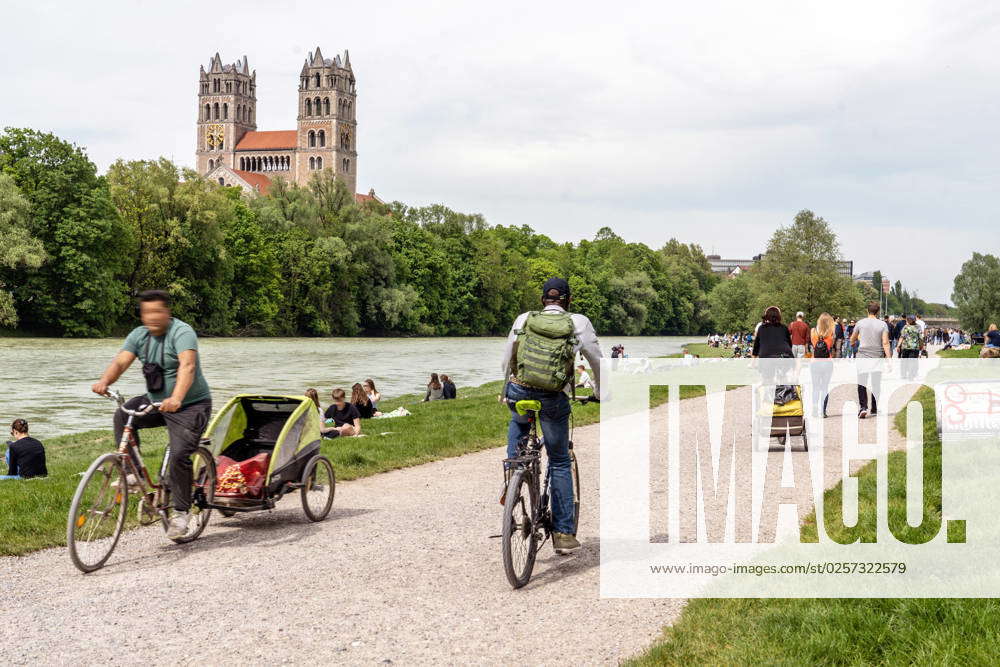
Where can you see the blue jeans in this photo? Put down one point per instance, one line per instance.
(554, 422)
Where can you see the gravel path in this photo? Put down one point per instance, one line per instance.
(404, 570)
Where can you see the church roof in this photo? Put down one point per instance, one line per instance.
(257, 181)
(268, 140)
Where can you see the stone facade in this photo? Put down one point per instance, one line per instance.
(325, 134)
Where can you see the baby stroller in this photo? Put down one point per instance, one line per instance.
(780, 415)
(266, 447)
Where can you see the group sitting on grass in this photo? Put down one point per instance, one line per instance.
(25, 456)
(440, 388)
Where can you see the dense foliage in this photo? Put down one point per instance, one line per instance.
(75, 246)
(975, 293)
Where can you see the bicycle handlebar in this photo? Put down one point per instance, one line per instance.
(120, 401)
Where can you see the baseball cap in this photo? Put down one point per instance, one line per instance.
(559, 285)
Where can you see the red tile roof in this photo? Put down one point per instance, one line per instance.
(270, 140)
(258, 181)
(361, 199)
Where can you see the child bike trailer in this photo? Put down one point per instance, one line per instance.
(265, 447)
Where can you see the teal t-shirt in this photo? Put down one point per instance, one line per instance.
(179, 337)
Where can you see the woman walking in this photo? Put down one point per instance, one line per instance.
(823, 341)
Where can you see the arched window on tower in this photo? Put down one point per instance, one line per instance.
(316, 80)
(312, 139)
(222, 181)
(208, 112)
(317, 106)
(319, 163)
(225, 111)
(216, 109)
(350, 110)
(326, 106)
(211, 165)
(312, 163)
(222, 145)
(322, 138)
(309, 107)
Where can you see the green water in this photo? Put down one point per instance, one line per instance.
(47, 380)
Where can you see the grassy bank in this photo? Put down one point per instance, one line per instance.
(839, 631)
(34, 511)
(971, 353)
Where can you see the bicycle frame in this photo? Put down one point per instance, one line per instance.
(529, 458)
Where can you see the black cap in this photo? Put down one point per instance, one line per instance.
(559, 285)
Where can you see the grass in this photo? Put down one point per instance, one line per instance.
(971, 353)
(34, 511)
(840, 631)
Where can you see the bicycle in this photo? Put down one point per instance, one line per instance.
(527, 517)
(100, 505)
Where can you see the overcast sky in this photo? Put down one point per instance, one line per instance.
(713, 123)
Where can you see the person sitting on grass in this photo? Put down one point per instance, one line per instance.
(360, 400)
(25, 455)
(373, 394)
(448, 387)
(313, 395)
(992, 337)
(342, 418)
(435, 390)
(584, 380)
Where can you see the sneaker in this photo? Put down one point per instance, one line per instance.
(862, 414)
(565, 543)
(178, 525)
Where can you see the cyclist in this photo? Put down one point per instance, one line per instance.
(538, 365)
(168, 350)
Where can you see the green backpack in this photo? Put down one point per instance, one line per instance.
(545, 351)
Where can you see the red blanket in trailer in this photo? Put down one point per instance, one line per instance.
(241, 479)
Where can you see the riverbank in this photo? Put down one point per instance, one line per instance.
(35, 510)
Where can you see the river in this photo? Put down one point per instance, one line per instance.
(47, 380)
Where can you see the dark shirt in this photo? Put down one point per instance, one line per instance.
(838, 331)
(449, 390)
(772, 341)
(341, 417)
(27, 458)
(993, 337)
(896, 330)
(366, 410)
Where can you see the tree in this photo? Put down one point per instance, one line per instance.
(800, 271)
(19, 250)
(975, 292)
(732, 304)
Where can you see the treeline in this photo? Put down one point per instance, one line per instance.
(76, 246)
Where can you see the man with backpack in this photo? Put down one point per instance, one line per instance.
(538, 365)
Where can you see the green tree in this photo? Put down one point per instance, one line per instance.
(19, 250)
(975, 292)
(732, 304)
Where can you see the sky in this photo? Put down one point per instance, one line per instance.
(712, 123)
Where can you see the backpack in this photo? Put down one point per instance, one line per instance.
(545, 350)
(821, 350)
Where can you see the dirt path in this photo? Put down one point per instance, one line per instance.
(404, 570)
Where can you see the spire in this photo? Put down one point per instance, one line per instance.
(305, 66)
(246, 65)
(317, 60)
(216, 63)
(201, 73)
(347, 59)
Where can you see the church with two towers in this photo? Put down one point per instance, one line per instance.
(232, 151)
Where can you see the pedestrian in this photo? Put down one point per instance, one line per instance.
(911, 343)
(821, 367)
(799, 332)
(871, 337)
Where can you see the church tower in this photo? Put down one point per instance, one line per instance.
(326, 120)
(227, 109)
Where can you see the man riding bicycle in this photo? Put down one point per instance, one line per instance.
(168, 350)
(538, 365)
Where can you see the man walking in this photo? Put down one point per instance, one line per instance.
(799, 330)
(871, 336)
(168, 350)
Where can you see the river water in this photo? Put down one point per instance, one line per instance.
(47, 380)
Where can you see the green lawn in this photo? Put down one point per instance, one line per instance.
(34, 511)
(839, 631)
(971, 353)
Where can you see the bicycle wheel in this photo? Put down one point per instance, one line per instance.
(519, 539)
(318, 488)
(202, 494)
(575, 471)
(97, 513)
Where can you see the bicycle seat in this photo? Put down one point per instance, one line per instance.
(524, 407)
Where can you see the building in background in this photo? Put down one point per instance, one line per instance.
(734, 267)
(232, 151)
